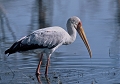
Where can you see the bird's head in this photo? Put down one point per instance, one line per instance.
(76, 22)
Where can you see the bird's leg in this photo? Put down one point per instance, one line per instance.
(38, 67)
(48, 61)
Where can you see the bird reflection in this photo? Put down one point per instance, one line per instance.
(47, 79)
(39, 79)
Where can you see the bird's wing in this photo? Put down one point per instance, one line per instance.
(45, 38)
(42, 38)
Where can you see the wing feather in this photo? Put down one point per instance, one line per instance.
(42, 38)
(48, 38)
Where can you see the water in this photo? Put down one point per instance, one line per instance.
(69, 64)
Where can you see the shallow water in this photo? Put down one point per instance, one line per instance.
(69, 64)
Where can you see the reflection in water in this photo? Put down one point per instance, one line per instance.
(38, 78)
(45, 9)
(46, 78)
(4, 23)
(41, 14)
(115, 44)
(114, 51)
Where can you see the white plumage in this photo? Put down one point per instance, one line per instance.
(47, 40)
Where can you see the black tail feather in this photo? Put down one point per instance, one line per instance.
(7, 51)
(14, 48)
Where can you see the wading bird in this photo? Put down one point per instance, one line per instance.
(47, 40)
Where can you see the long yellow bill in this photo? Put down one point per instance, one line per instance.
(81, 32)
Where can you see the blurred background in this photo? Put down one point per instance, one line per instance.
(69, 64)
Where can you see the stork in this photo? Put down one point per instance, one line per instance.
(47, 40)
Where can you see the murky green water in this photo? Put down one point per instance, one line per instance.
(69, 64)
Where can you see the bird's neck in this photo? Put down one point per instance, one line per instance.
(72, 33)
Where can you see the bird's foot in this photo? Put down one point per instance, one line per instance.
(38, 73)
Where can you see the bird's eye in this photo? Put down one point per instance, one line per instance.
(73, 21)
